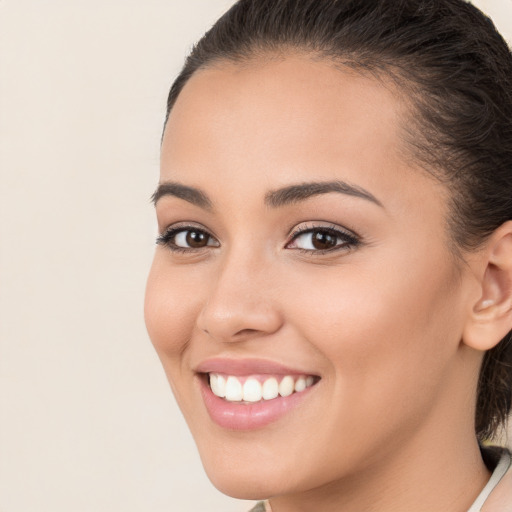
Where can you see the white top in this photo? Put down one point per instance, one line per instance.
(498, 473)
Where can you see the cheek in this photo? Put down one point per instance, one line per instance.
(386, 333)
(169, 309)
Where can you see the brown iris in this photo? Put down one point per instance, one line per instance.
(323, 240)
(197, 239)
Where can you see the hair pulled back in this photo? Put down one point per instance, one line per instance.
(449, 60)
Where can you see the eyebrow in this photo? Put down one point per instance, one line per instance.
(275, 198)
(190, 194)
(302, 191)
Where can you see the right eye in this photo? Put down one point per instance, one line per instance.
(186, 238)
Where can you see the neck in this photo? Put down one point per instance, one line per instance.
(445, 474)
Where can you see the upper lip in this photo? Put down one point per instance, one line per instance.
(248, 366)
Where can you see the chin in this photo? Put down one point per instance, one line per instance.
(242, 489)
(253, 474)
(240, 485)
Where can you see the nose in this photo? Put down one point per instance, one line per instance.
(241, 304)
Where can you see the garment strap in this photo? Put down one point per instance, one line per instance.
(497, 475)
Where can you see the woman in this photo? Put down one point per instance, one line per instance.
(331, 295)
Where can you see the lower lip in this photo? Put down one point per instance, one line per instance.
(248, 416)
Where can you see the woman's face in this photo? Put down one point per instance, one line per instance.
(306, 254)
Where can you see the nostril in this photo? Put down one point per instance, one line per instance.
(238, 321)
(245, 332)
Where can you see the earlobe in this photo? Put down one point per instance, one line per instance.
(491, 315)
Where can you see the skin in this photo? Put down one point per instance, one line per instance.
(389, 427)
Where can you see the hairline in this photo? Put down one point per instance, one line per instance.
(391, 76)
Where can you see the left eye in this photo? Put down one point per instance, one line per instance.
(193, 239)
(187, 238)
(322, 239)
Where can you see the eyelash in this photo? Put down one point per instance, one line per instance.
(349, 239)
(167, 237)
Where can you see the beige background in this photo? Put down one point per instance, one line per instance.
(87, 422)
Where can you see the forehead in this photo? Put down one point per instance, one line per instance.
(293, 100)
(288, 119)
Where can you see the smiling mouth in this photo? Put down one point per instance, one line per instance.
(257, 388)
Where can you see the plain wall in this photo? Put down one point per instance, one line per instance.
(87, 420)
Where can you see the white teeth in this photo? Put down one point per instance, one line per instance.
(230, 387)
(233, 390)
(286, 386)
(270, 389)
(300, 385)
(252, 390)
(221, 386)
(213, 383)
(218, 385)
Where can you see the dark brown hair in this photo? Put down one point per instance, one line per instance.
(456, 69)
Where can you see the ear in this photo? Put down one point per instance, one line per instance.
(490, 318)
